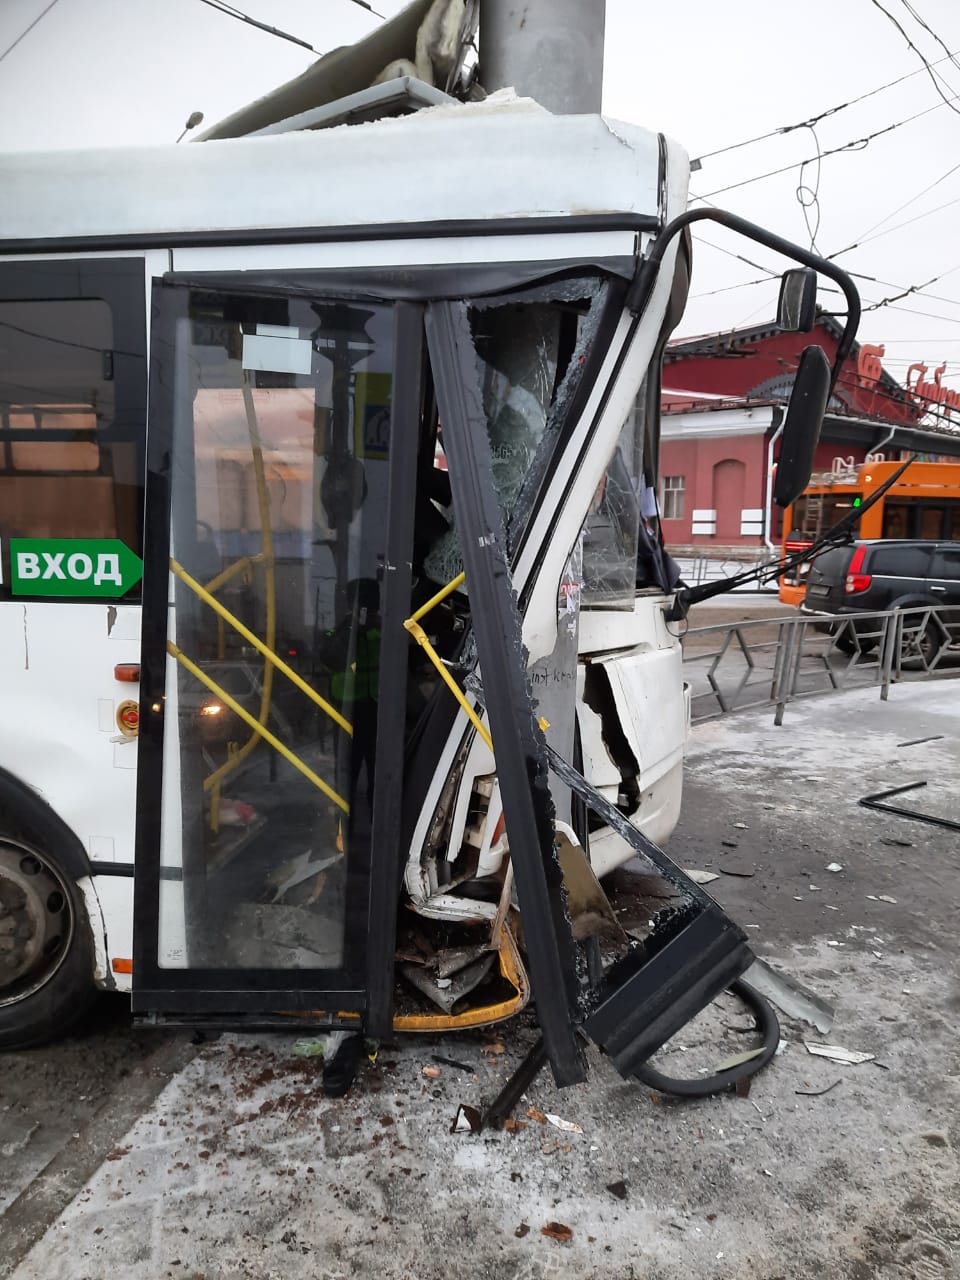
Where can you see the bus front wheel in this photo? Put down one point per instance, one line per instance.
(46, 950)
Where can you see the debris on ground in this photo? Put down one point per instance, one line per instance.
(324, 1046)
(700, 877)
(432, 1073)
(837, 1053)
(535, 1113)
(790, 996)
(834, 866)
(557, 1231)
(742, 866)
(452, 1062)
(467, 1120)
(558, 1122)
(736, 1059)
(618, 1189)
(522, 1230)
(816, 1093)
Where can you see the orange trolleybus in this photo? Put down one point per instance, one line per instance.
(923, 503)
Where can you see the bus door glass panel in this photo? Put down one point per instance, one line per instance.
(944, 580)
(278, 512)
(72, 403)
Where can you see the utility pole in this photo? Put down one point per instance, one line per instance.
(551, 50)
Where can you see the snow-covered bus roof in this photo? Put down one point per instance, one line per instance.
(466, 163)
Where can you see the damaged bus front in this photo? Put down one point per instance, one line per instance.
(408, 683)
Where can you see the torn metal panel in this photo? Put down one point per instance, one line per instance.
(447, 992)
(791, 996)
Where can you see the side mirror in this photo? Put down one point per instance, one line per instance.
(801, 430)
(797, 304)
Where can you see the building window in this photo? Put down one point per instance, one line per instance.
(672, 498)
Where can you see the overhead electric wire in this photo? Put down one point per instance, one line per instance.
(889, 231)
(906, 204)
(830, 111)
(222, 7)
(10, 47)
(856, 144)
(934, 77)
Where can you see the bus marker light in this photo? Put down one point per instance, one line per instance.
(127, 672)
(211, 709)
(128, 718)
(121, 966)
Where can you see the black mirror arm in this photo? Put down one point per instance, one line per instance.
(643, 281)
(688, 596)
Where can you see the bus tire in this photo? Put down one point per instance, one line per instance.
(46, 947)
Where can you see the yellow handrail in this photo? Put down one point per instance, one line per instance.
(412, 625)
(258, 644)
(259, 730)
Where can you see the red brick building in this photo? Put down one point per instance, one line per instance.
(724, 398)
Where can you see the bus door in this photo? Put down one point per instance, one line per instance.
(278, 530)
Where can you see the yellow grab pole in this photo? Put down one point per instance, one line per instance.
(258, 644)
(412, 625)
(259, 730)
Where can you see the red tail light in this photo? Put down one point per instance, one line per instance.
(857, 581)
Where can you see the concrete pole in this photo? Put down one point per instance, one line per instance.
(551, 50)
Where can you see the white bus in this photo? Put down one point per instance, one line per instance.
(299, 437)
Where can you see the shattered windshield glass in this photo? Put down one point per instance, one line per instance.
(530, 351)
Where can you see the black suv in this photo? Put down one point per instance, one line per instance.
(867, 576)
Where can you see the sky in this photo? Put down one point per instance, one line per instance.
(118, 72)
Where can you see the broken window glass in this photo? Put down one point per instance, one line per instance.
(612, 528)
(530, 356)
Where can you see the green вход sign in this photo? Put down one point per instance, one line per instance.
(67, 567)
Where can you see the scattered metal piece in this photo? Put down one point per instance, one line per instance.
(915, 742)
(816, 1093)
(742, 826)
(834, 866)
(446, 992)
(875, 801)
(885, 897)
(837, 1053)
(791, 996)
(452, 960)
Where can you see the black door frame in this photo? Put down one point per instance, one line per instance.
(364, 988)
